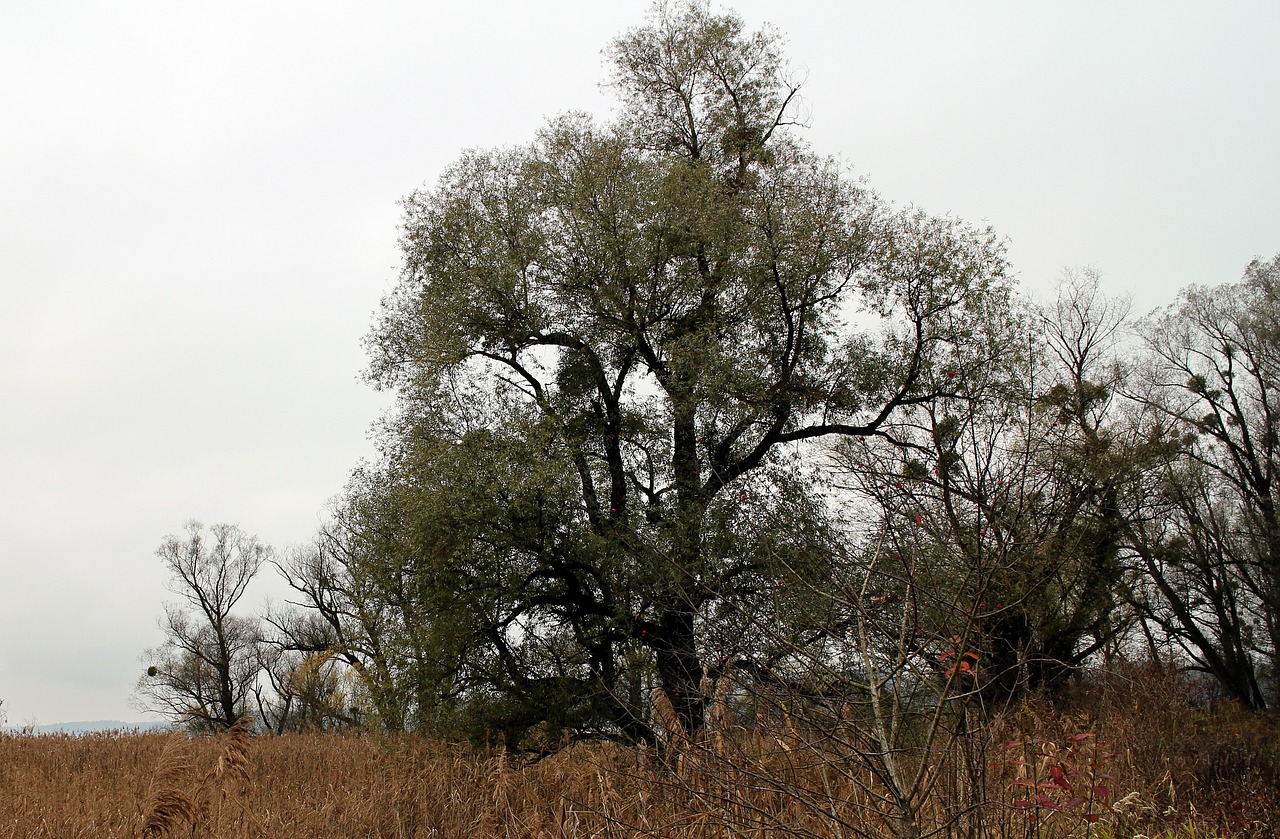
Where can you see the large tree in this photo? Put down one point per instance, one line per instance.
(608, 343)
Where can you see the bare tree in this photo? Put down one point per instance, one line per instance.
(1211, 548)
(204, 672)
(306, 691)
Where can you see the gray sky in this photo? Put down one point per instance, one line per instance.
(198, 219)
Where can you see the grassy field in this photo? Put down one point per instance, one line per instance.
(1133, 762)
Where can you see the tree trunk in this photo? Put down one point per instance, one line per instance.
(679, 668)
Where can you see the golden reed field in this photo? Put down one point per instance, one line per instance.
(1136, 763)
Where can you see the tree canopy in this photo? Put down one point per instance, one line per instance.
(610, 343)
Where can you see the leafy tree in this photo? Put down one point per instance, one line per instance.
(372, 607)
(610, 343)
(204, 672)
(1211, 546)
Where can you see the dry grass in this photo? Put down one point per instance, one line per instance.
(1148, 763)
(169, 803)
(157, 785)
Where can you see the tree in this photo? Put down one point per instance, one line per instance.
(609, 343)
(1211, 547)
(204, 672)
(1003, 504)
(369, 606)
(305, 691)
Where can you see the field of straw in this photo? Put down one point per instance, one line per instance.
(1125, 763)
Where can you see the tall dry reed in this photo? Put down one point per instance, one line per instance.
(1167, 767)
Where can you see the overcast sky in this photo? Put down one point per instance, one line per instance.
(198, 218)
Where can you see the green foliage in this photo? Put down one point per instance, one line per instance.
(612, 344)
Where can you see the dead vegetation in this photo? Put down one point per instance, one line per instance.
(1127, 756)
